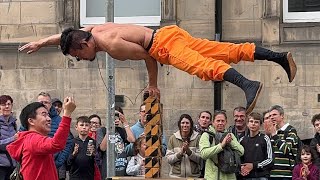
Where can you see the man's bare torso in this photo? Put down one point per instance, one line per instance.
(123, 41)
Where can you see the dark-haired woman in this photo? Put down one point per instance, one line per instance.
(183, 150)
(8, 133)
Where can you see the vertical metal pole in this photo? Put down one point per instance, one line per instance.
(110, 128)
(218, 27)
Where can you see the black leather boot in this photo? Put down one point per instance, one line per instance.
(284, 59)
(251, 88)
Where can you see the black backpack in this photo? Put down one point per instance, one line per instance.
(228, 160)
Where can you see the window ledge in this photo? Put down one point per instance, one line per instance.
(300, 33)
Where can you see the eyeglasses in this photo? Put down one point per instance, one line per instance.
(239, 116)
(45, 102)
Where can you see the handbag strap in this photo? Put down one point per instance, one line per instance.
(9, 158)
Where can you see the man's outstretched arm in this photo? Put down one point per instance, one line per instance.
(51, 40)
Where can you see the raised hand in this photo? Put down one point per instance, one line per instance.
(226, 140)
(122, 118)
(185, 146)
(68, 106)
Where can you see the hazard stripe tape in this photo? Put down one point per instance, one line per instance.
(153, 119)
(152, 130)
(153, 151)
(153, 108)
(152, 172)
(153, 141)
(152, 162)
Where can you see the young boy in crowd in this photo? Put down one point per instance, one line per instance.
(257, 158)
(81, 161)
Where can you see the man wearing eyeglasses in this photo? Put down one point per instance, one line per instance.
(239, 129)
(138, 131)
(61, 157)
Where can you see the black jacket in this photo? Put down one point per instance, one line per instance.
(81, 166)
(257, 150)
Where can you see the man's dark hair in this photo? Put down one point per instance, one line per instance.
(278, 108)
(95, 116)
(71, 38)
(187, 116)
(29, 112)
(5, 98)
(315, 118)
(206, 112)
(239, 109)
(83, 119)
(256, 116)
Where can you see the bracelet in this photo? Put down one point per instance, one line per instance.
(125, 126)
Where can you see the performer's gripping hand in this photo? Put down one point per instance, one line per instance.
(31, 47)
(154, 91)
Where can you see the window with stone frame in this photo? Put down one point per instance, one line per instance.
(141, 12)
(301, 11)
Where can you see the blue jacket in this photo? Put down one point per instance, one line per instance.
(61, 157)
(7, 132)
(138, 129)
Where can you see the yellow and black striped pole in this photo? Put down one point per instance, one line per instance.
(153, 133)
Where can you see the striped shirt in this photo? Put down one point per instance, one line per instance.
(285, 151)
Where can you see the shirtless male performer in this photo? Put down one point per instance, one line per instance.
(171, 45)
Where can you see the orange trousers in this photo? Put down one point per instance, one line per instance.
(208, 60)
